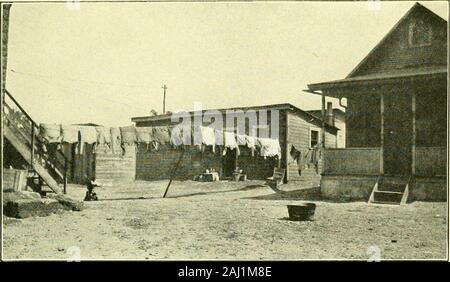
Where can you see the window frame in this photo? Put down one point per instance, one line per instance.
(426, 28)
(311, 129)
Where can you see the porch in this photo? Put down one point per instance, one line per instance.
(351, 173)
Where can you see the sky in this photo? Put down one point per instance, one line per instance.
(107, 62)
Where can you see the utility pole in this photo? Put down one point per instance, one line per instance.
(164, 99)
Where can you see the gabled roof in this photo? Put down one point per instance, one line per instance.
(415, 9)
(367, 72)
(285, 106)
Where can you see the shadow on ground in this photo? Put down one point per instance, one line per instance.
(311, 194)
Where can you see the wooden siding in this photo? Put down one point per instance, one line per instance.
(363, 121)
(111, 167)
(396, 52)
(298, 135)
(431, 161)
(363, 161)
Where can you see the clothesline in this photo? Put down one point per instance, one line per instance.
(118, 137)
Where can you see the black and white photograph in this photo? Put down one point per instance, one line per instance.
(224, 131)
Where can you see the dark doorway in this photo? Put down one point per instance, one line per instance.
(397, 151)
(229, 162)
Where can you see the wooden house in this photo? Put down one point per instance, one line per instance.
(298, 129)
(396, 117)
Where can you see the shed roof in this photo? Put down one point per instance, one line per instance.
(284, 106)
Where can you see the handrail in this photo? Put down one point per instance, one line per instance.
(20, 107)
(34, 132)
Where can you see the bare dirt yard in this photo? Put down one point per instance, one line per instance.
(225, 220)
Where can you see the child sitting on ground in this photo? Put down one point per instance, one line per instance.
(90, 194)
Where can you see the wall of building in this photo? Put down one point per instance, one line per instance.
(431, 161)
(298, 135)
(115, 167)
(342, 188)
(160, 164)
(351, 161)
(363, 120)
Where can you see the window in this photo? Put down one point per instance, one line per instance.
(313, 138)
(419, 34)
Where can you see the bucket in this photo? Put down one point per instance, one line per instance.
(301, 212)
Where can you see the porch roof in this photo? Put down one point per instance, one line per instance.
(332, 87)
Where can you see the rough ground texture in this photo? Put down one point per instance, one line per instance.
(225, 220)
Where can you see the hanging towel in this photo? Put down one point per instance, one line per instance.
(50, 132)
(88, 134)
(70, 133)
(241, 140)
(218, 137)
(128, 134)
(197, 136)
(250, 141)
(103, 135)
(161, 134)
(208, 136)
(269, 147)
(116, 139)
(176, 136)
(144, 134)
(230, 139)
(230, 142)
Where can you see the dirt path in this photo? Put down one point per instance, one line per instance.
(222, 221)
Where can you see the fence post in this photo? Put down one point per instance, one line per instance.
(32, 144)
(65, 175)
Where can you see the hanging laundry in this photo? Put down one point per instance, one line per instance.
(103, 135)
(241, 140)
(230, 142)
(161, 134)
(116, 139)
(88, 134)
(144, 134)
(230, 139)
(70, 133)
(208, 136)
(180, 135)
(218, 137)
(50, 132)
(315, 157)
(269, 147)
(128, 134)
(250, 142)
(197, 136)
(297, 157)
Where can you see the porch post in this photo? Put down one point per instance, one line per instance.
(413, 149)
(381, 133)
(323, 121)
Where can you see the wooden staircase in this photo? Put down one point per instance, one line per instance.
(23, 134)
(392, 190)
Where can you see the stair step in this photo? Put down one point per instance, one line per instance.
(385, 203)
(390, 187)
(387, 196)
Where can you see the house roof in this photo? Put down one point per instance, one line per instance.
(285, 106)
(435, 71)
(359, 74)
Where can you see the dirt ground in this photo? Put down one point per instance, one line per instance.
(225, 220)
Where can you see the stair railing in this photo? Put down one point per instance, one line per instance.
(33, 139)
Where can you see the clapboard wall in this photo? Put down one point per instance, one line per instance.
(114, 167)
(298, 135)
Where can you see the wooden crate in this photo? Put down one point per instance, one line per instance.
(14, 180)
